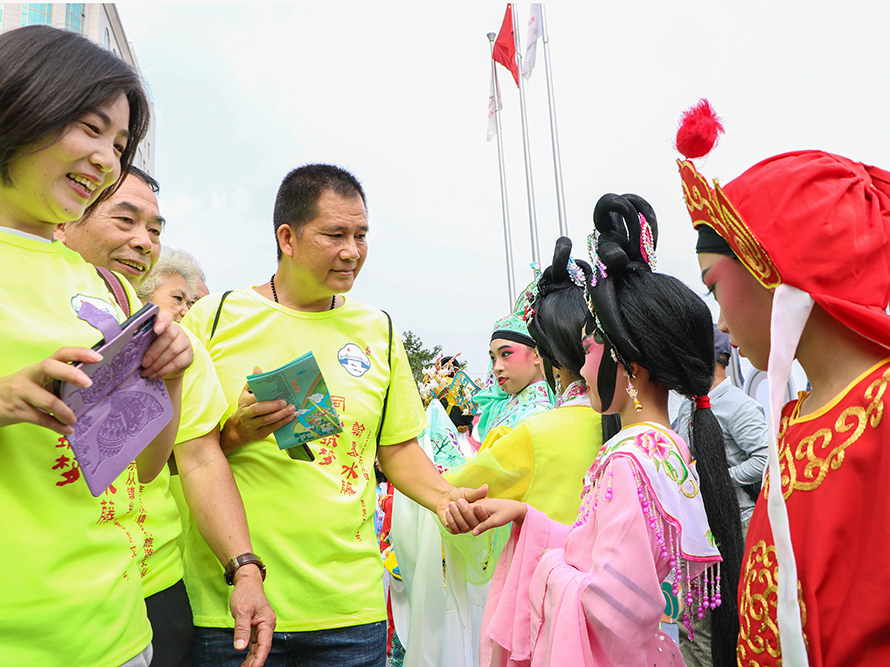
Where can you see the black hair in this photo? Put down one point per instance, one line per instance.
(557, 316)
(656, 321)
(51, 77)
(559, 311)
(297, 201)
(145, 177)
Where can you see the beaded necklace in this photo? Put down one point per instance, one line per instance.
(275, 294)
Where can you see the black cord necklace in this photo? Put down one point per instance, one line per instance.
(275, 294)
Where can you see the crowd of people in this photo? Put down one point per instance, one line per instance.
(556, 516)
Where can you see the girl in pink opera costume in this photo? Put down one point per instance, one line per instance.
(591, 593)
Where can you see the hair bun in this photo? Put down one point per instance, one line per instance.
(613, 254)
(559, 276)
(621, 244)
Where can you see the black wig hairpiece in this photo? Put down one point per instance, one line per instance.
(656, 321)
(616, 249)
(559, 311)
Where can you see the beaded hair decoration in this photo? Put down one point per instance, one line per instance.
(575, 272)
(599, 267)
(647, 242)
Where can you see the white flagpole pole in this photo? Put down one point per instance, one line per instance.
(557, 163)
(508, 242)
(532, 219)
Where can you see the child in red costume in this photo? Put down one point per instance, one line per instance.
(796, 251)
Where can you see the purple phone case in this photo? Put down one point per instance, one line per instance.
(121, 412)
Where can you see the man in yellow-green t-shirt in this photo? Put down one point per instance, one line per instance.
(313, 521)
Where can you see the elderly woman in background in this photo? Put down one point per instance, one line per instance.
(173, 283)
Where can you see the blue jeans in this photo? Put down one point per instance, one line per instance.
(356, 646)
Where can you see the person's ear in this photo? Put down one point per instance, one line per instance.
(286, 238)
(60, 232)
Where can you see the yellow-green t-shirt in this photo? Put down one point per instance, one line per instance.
(203, 405)
(71, 587)
(312, 523)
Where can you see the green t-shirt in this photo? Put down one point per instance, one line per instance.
(203, 405)
(312, 523)
(72, 590)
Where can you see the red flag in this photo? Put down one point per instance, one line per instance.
(505, 45)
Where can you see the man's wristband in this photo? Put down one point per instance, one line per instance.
(239, 561)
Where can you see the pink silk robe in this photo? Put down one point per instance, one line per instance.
(585, 595)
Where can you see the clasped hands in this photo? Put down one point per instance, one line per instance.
(465, 510)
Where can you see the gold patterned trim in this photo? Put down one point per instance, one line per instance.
(825, 449)
(758, 631)
(712, 207)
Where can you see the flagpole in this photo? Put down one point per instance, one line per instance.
(508, 242)
(557, 163)
(532, 219)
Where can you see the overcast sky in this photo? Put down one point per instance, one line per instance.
(398, 93)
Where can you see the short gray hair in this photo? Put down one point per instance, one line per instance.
(171, 261)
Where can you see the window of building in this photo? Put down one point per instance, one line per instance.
(107, 39)
(37, 13)
(74, 17)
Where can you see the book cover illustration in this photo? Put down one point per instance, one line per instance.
(121, 412)
(302, 385)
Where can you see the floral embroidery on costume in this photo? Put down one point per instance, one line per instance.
(654, 444)
(574, 394)
(659, 472)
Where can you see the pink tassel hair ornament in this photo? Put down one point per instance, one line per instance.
(699, 129)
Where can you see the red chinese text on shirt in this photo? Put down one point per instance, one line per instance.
(69, 469)
(326, 456)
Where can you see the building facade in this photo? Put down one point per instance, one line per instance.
(98, 22)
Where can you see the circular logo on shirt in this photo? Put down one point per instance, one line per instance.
(354, 360)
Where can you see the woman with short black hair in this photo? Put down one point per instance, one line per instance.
(71, 116)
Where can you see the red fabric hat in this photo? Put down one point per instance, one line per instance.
(812, 220)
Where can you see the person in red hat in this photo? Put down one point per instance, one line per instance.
(796, 251)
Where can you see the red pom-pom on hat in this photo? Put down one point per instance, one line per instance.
(698, 131)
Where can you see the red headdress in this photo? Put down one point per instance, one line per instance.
(810, 219)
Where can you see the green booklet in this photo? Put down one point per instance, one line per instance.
(301, 384)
